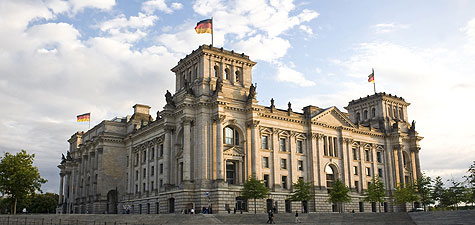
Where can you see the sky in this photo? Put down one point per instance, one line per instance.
(59, 59)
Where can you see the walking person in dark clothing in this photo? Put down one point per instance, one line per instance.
(269, 220)
(297, 220)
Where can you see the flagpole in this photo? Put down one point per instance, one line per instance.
(89, 121)
(374, 83)
(212, 31)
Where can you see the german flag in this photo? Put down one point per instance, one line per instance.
(84, 117)
(371, 77)
(204, 26)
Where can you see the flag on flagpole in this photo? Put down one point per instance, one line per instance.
(204, 26)
(84, 117)
(371, 77)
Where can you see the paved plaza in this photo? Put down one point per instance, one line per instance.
(419, 218)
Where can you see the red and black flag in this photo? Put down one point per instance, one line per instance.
(204, 26)
(371, 77)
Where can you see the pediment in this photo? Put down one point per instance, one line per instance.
(333, 117)
(234, 151)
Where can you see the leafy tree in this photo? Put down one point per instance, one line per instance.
(447, 199)
(339, 194)
(18, 177)
(302, 191)
(469, 195)
(43, 203)
(405, 194)
(455, 193)
(375, 192)
(424, 190)
(438, 189)
(254, 189)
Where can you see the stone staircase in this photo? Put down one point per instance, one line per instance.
(465, 217)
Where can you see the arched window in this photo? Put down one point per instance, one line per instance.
(365, 114)
(405, 158)
(401, 115)
(373, 112)
(231, 136)
(226, 73)
(216, 71)
(389, 111)
(358, 117)
(238, 78)
(395, 112)
(331, 175)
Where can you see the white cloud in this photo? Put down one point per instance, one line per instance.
(383, 28)
(286, 74)
(306, 29)
(128, 30)
(469, 31)
(79, 5)
(264, 48)
(153, 5)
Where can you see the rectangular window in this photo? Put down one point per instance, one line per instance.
(330, 146)
(266, 180)
(265, 162)
(300, 165)
(335, 147)
(283, 163)
(367, 155)
(151, 186)
(152, 171)
(284, 182)
(378, 157)
(325, 146)
(152, 153)
(299, 146)
(368, 171)
(161, 150)
(136, 188)
(136, 175)
(143, 187)
(137, 159)
(144, 156)
(357, 186)
(265, 143)
(282, 144)
(161, 168)
(355, 170)
(161, 183)
(127, 161)
(355, 154)
(144, 172)
(380, 172)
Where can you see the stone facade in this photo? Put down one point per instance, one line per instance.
(212, 134)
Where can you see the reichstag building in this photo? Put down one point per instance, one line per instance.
(212, 135)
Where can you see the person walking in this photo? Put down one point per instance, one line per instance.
(269, 220)
(297, 220)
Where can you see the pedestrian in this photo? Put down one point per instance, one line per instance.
(192, 211)
(272, 218)
(234, 210)
(269, 220)
(297, 220)
(229, 210)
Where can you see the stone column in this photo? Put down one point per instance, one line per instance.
(274, 145)
(401, 165)
(349, 161)
(166, 155)
(254, 147)
(418, 163)
(61, 188)
(186, 149)
(313, 155)
(293, 170)
(321, 166)
(219, 147)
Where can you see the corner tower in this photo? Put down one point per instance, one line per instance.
(208, 69)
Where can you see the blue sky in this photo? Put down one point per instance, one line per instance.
(61, 58)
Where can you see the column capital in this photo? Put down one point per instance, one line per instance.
(347, 140)
(168, 128)
(219, 118)
(187, 120)
(253, 123)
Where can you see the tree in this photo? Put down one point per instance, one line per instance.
(375, 192)
(405, 194)
(18, 177)
(424, 190)
(469, 195)
(254, 189)
(43, 203)
(302, 191)
(454, 192)
(339, 194)
(438, 189)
